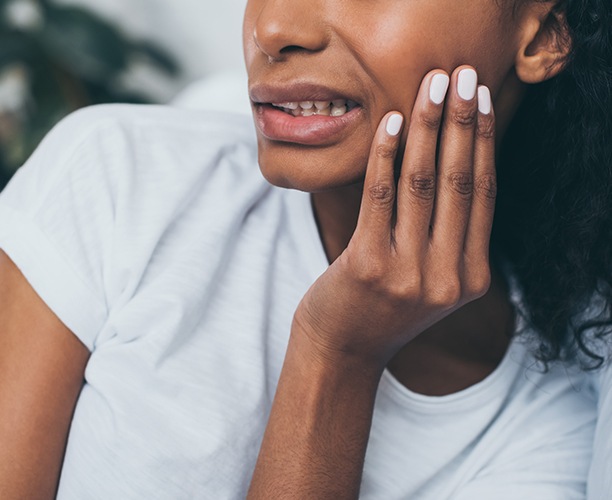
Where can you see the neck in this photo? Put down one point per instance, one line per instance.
(336, 213)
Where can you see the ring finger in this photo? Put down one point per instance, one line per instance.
(454, 188)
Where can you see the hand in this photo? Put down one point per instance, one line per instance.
(421, 246)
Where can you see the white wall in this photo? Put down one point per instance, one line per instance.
(203, 35)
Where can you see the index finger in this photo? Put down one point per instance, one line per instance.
(417, 182)
(378, 200)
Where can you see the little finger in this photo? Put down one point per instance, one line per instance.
(485, 186)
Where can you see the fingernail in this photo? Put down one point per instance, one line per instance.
(438, 87)
(466, 84)
(394, 124)
(484, 100)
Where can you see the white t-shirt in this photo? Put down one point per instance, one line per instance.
(600, 477)
(150, 232)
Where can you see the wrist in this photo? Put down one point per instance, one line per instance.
(337, 362)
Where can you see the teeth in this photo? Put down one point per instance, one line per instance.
(288, 105)
(338, 110)
(337, 107)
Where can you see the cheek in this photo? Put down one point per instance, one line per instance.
(391, 53)
(403, 46)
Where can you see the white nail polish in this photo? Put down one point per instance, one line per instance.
(438, 88)
(484, 100)
(394, 124)
(466, 84)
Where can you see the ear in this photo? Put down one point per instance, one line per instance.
(544, 42)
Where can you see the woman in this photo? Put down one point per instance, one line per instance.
(144, 252)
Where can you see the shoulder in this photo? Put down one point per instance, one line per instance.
(129, 132)
(600, 481)
(104, 190)
(151, 144)
(554, 400)
(103, 154)
(542, 440)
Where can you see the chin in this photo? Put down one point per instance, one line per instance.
(312, 169)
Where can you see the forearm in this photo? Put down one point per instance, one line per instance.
(315, 442)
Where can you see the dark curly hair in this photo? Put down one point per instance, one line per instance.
(554, 214)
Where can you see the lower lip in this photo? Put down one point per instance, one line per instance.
(315, 130)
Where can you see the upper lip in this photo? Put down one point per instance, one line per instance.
(296, 92)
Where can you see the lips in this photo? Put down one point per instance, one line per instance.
(304, 113)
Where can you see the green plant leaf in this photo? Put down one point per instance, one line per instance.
(16, 46)
(88, 46)
(72, 60)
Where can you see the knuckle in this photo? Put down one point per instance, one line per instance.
(369, 275)
(446, 295)
(486, 188)
(384, 151)
(381, 194)
(430, 120)
(478, 284)
(366, 268)
(461, 183)
(409, 288)
(486, 127)
(423, 186)
(464, 115)
(373, 276)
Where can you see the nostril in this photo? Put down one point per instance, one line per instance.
(291, 48)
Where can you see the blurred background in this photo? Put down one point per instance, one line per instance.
(59, 55)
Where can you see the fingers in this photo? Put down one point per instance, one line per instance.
(377, 205)
(485, 185)
(417, 182)
(455, 163)
(446, 189)
(447, 185)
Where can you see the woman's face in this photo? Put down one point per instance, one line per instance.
(368, 55)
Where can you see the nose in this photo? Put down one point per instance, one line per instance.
(288, 26)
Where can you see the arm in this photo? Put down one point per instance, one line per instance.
(41, 368)
(415, 257)
(317, 433)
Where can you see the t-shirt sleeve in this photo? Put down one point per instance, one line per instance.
(600, 476)
(56, 220)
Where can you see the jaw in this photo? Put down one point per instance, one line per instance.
(506, 102)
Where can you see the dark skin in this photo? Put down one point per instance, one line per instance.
(452, 354)
(395, 295)
(36, 406)
(410, 285)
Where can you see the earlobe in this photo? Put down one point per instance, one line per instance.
(545, 43)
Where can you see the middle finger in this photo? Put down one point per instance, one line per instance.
(455, 164)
